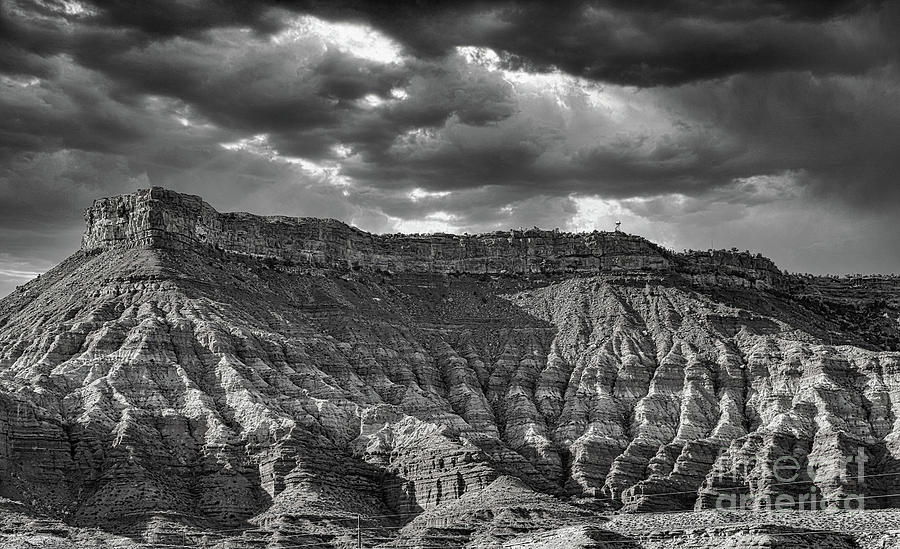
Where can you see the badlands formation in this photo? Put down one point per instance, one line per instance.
(196, 379)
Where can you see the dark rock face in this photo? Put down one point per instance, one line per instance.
(194, 368)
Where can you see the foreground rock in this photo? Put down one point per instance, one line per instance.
(197, 376)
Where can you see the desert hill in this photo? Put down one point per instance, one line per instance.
(190, 377)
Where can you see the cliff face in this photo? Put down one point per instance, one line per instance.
(190, 369)
(165, 219)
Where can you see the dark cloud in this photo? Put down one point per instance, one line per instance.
(638, 43)
(461, 116)
(643, 43)
(840, 130)
(168, 19)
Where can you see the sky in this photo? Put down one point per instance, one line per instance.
(769, 125)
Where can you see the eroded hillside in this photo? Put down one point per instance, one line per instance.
(189, 371)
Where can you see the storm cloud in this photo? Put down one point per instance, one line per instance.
(684, 119)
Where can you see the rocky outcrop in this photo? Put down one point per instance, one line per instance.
(162, 218)
(192, 372)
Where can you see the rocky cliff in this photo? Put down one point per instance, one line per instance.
(190, 375)
(161, 218)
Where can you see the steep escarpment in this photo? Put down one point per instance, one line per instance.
(162, 218)
(189, 373)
